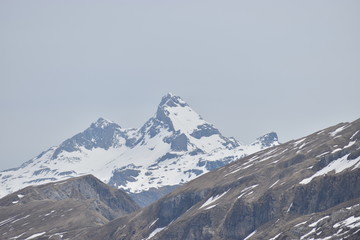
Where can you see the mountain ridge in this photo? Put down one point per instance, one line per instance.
(171, 148)
(52, 209)
(305, 189)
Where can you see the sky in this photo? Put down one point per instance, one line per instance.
(248, 67)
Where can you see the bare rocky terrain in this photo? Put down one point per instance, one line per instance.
(53, 209)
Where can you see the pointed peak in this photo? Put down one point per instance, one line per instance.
(172, 100)
(269, 139)
(102, 123)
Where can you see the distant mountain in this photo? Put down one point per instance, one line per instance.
(173, 147)
(303, 189)
(48, 211)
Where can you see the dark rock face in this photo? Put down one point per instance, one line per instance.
(172, 101)
(162, 116)
(212, 165)
(100, 134)
(121, 176)
(147, 197)
(180, 143)
(268, 139)
(295, 160)
(171, 208)
(244, 218)
(326, 192)
(194, 171)
(205, 130)
(166, 157)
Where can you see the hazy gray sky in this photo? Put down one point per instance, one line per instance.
(248, 67)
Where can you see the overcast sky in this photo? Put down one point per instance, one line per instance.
(248, 67)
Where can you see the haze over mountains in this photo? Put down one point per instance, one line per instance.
(304, 189)
(173, 147)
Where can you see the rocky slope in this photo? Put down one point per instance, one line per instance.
(51, 210)
(303, 189)
(173, 147)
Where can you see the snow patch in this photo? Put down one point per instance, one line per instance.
(16, 237)
(309, 233)
(6, 221)
(213, 199)
(250, 235)
(20, 219)
(212, 206)
(336, 150)
(153, 233)
(153, 222)
(47, 214)
(274, 238)
(289, 207)
(354, 134)
(35, 235)
(338, 166)
(274, 183)
(351, 222)
(315, 223)
(298, 142)
(299, 224)
(323, 154)
(337, 131)
(247, 191)
(350, 144)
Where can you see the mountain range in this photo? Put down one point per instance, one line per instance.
(304, 189)
(307, 189)
(174, 146)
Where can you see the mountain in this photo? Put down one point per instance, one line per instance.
(173, 147)
(50, 210)
(303, 189)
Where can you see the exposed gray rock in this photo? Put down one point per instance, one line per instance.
(268, 139)
(147, 197)
(326, 192)
(205, 130)
(121, 176)
(180, 143)
(101, 134)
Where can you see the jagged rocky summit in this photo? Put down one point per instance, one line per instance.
(173, 147)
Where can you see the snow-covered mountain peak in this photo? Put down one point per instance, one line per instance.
(171, 148)
(171, 100)
(101, 134)
(103, 123)
(267, 140)
(174, 112)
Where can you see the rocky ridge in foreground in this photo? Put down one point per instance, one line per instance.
(51, 210)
